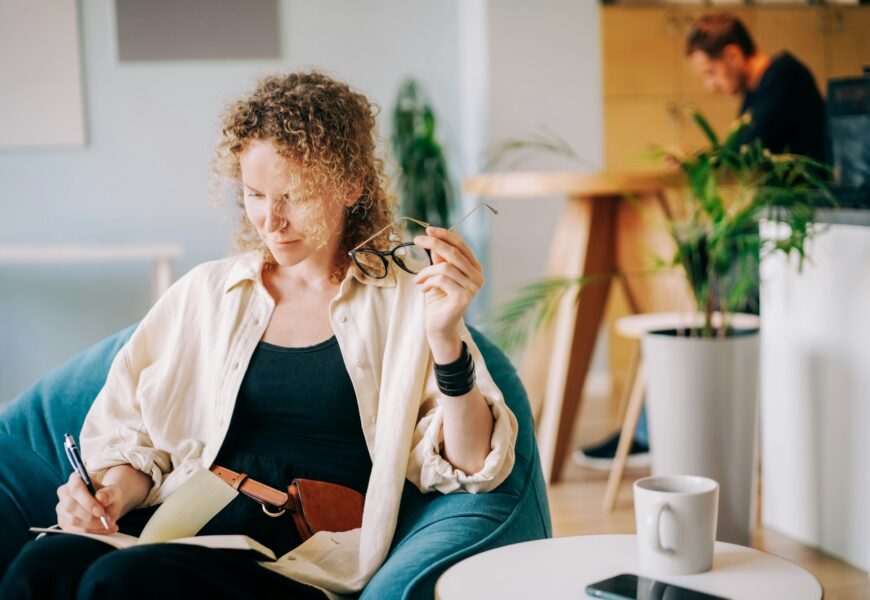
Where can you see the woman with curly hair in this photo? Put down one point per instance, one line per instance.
(323, 349)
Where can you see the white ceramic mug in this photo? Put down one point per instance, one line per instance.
(676, 523)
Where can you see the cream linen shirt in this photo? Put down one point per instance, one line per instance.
(167, 402)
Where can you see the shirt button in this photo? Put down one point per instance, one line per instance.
(235, 366)
(374, 420)
(343, 318)
(361, 363)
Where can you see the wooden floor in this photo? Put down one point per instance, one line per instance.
(575, 505)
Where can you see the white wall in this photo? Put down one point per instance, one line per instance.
(493, 68)
(545, 73)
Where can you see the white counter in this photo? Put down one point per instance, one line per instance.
(815, 393)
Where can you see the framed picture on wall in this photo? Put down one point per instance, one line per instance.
(169, 30)
(41, 102)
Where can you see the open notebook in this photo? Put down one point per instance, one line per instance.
(178, 519)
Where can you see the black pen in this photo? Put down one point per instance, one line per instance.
(75, 459)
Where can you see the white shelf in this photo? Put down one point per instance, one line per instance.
(161, 255)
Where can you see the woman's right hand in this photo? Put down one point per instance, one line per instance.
(78, 510)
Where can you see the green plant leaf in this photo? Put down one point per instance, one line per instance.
(423, 184)
(706, 128)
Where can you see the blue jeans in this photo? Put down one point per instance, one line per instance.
(641, 434)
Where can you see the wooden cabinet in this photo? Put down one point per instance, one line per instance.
(802, 30)
(634, 124)
(637, 61)
(848, 48)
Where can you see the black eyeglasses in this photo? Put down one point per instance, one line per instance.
(408, 256)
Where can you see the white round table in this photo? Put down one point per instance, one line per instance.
(563, 567)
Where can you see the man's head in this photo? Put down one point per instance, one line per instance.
(719, 48)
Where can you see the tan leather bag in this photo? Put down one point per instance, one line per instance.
(314, 505)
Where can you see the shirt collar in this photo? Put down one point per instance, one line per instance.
(249, 266)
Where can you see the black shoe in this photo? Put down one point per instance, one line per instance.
(601, 455)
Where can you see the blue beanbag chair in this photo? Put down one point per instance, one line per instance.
(434, 530)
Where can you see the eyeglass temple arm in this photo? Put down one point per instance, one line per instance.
(423, 224)
(471, 212)
(380, 231)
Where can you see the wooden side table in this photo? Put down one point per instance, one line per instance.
(611, 222)
(563, 567)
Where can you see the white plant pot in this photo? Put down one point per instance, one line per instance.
(702, 404)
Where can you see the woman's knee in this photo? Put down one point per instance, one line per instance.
(30, 561)
(139, 571)
(54, 563)
(56, 552)
(113, 575)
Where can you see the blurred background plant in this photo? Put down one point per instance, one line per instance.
(730, 188)
(424, 188)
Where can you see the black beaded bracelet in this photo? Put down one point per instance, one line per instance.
(456, 378)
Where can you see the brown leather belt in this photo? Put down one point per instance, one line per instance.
(262, 493)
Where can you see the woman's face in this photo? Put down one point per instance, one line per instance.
(291, 222)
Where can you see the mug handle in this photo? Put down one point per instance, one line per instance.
(654, 524)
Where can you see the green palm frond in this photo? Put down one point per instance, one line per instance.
(510, 153)
(704, 125)
(532, 307)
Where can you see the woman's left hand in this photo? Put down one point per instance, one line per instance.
(449, 285)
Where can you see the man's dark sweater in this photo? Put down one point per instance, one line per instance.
(788, 113)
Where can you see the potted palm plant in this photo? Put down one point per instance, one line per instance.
(702, 381)
(424, 188)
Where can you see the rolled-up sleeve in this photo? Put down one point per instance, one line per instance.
(427, 467)
(114, 432)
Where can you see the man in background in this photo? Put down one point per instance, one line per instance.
(787, 114)
(779, 92)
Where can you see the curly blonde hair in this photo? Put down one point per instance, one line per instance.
(328, 130)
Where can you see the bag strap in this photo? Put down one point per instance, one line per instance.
(262, 493)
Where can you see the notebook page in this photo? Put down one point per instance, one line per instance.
(118, 540)
(188, 508)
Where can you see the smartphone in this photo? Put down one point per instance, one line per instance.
(631, 587)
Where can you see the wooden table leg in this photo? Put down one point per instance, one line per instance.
(585, 244)
(628, 384)
(626, 436)
(566, 258)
